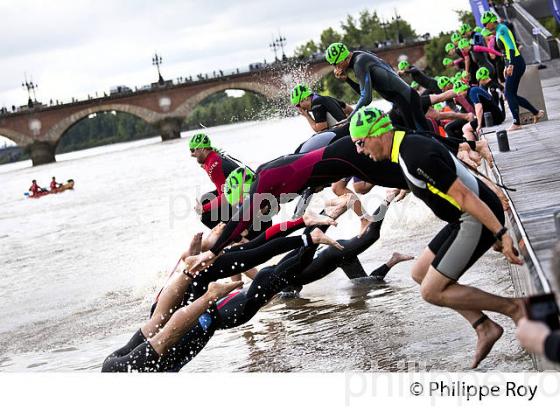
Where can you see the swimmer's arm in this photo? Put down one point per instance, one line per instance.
(319, 126)
(479, 110)
(355, 86)
(452, 115)
(364, 77)
(474, 206)
(467, 63)
(447, 95)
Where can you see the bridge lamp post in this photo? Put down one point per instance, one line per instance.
(397, 19)
(157, 61)
(30, 86)
(281, 41)
(384, 24)
(274, 47)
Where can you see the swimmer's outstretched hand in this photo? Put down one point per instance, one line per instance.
(319, 237)
(198, 207)
(509, 251)
(200, 262)
(219, 290)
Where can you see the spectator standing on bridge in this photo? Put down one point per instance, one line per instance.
(373, 73)
(515, 68)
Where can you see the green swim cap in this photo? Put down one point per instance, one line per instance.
(200, 141)
(238, 184)
(446, 61)
(403, 65)
(414, 85)
(477, 29)
(464, 75)
(336, 53)
(457, 76)
(485, 32)
(459, 86)
(449, 47)
(438, 106)
(299, 92)
(488, 17)
(369, 122)
(455, 37)
(482, 74)
(464, 43)
(443, 82)
(465, 28)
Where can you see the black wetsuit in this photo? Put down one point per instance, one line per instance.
(322, 139)
(327, 109)
(299, 267)
(429, 83)
(286, 177)
(373, 73)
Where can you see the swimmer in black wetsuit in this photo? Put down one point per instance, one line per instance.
(373, 73)
(486, 98)
(327, 111)
(430, 84)
(299, 267)
(473, 212)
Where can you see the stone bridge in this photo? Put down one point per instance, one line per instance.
(39, 129)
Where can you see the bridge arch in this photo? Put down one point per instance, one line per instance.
(56, 132)
(265, 89)
(20, 139)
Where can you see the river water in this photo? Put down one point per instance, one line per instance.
(80, 270)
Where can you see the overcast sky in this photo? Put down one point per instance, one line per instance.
(74, 47)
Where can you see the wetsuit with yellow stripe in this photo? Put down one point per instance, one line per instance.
(430, 169)
(514, 58)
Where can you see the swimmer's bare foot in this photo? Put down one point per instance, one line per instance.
(475, 157)
(538, 117)
(365, 220)
(514, 127)
(397, 258)
(317, 236)
(401, 195)
(218, 290)
(391, 194)
(488, 334)
(196, 244)
(482, 149)
(464, 156)
(310, 218)
(517, 311)
(194, 247)
(210, 240)
(337, 206)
